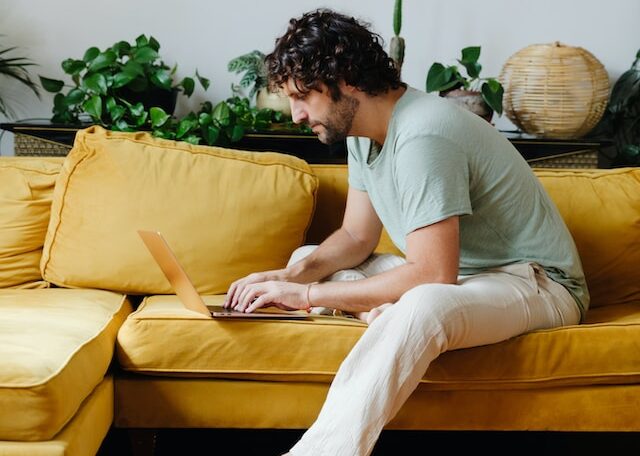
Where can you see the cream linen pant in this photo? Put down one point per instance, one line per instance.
(391, 357)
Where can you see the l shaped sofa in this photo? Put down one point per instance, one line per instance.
(91, 335)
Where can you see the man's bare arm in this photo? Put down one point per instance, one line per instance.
(347, 247)
(432, 257)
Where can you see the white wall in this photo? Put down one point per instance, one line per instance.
(207, 34)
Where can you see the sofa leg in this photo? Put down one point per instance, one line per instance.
(143, 441)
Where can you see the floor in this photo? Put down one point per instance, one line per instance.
(196, 442)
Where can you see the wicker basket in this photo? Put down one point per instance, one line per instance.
(26, 145)
(554, 91)
(582, 159)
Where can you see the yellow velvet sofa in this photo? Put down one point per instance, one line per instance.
(92, 337)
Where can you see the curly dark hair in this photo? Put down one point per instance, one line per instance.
(325, 47)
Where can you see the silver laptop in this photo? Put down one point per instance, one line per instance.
(186, 291)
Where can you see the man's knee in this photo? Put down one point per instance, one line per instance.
(433, 300)
(300, 253)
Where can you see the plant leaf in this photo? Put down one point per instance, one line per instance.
(440, 78)
(90, 54)
(59, 103)
(137, 109)
(473, 68)
(470, 54)
(213, 133)
(162, 79)
(204, 82)
(117, 112)
(121, 48)
(185, 126)
(103, 60)
(121, 125)
(74, 97)
(142, 118)
(142, 41)
(51, 85)
(133, 68)
(96, 83)
(145, 54)
(397, 17)
(122, 79)
(158, 117)
(222, 114)
(237, 133)
(153, 44)
(492, 92)
(93, 107)
(72, 66)
(188, 84)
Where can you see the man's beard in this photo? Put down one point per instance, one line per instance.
(338, 123)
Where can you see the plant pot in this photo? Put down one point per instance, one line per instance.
(274, 100)
(470, 100)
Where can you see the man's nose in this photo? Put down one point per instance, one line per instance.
(298, 114)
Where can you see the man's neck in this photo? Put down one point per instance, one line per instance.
(374, 115)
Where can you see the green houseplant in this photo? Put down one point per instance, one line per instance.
(621, 119)
(450, 82)
(117, 87)
(15, 68)
(255, 79)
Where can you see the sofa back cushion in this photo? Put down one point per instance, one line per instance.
(226, 213)
(602, 210)
(26, 187)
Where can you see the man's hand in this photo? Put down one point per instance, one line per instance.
(238, 287)
(284, 295)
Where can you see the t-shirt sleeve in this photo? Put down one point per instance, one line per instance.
(432, 175)
(355, 163)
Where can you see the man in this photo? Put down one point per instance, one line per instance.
(487, 255)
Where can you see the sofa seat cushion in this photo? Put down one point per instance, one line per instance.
(226, 213)
(162, 337)
(55, 348)
(26, 189)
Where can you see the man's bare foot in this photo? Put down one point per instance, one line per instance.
(376, 311)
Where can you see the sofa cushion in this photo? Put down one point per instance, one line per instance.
(83, 435)
(162, 337)
(226, 212)
(26, 187)
(55, 348)
(602, 210)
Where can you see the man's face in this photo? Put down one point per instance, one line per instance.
(330, 120)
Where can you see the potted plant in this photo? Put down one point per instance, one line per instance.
(480, 95)
(621, 119)
(15, 68)
(255, 79)
(117, 87)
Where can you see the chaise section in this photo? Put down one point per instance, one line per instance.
(81, 436)
(56, 346)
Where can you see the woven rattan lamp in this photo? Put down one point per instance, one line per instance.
(554, 91)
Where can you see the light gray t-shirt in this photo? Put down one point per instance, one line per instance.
(439, 160)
